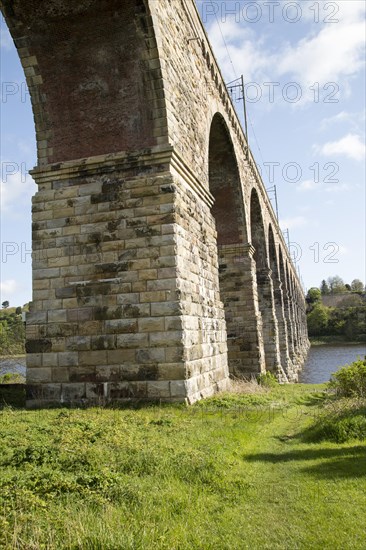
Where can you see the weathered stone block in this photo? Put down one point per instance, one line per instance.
(151, 324)
(158, 390)
(73, 392)
(39, 375)
(68, 359)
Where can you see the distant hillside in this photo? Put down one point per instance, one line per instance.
(345, 299)
(337, 311)
(12, 332)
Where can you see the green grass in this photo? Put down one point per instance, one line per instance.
(12, 378)
(231, 472)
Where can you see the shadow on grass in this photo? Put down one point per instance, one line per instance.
(345, 462)
(313, 399)
(12, 395)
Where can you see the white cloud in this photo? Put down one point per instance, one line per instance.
(247, 51)
(333, 13)
(343, 116)
(291, 223)
(351, 10)
(311, 185)
(16, 188)
(338, 188)
(350, 146)
(330, 52)
(336, 51)
(354, 120)
(308, 185)
(9, 289)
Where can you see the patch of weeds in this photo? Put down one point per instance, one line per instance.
(350, 380)
(340, 421)
(12, 378)
(268, 380)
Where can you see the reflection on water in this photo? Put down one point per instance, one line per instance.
(322, 361)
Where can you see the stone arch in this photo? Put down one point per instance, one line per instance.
(279, 305)
(273, 260)
(258, 236)
(292, 307)
(264, 284)
(297, 312)
(229, 215)
(225, 186)
(287, 304)
(92, 92)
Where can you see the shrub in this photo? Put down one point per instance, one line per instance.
(12, 378)
(268, 380)
(341, 421)
(350, 380)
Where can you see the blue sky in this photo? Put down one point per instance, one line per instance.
(303, 64)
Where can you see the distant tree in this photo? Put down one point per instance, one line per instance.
(5, 304)
(352, 300)
(318, 320)
(357, 286)
(313, 296)
(18, 310)
(324, 288)
(336, 284)
(348, 287)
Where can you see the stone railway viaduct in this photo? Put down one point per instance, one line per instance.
(159, 266)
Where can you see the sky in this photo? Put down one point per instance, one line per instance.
(303, 65)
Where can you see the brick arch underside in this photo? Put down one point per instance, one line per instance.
(93, 92)
(224, 183)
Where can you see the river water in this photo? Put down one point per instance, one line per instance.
(321, 363)
(14, 365)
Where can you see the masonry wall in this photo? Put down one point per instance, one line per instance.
(146, 283)
(126, 303)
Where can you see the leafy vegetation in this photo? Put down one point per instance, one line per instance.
(12, 331)
(343, 416)
(350, 380)
(234, 471)
(346, 318)
(341, 421)
(336, 285)
(268, 380)
(12, 378)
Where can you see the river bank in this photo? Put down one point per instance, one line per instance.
(333, 340)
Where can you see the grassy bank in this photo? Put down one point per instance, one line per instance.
(334, 340)
(232, 472)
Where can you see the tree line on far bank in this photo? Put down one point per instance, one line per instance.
(337, 310)
(12, 330)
